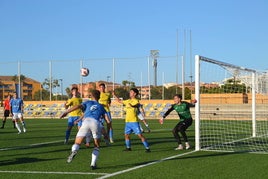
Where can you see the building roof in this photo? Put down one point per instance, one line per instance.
(10, 78)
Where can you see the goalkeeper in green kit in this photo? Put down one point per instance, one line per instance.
(183, 110)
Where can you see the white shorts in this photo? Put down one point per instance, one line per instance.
(17, 116)
(89, 125)
(140, 116)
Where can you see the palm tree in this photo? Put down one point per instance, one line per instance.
(54, 84)
(19, 80)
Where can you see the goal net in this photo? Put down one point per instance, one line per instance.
(232, 109)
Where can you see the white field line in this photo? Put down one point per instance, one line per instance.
(85, 173)
(62, 173)
(145, 165)
(45, 172)
(52, 142)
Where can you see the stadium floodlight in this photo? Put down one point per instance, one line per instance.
(154, 56)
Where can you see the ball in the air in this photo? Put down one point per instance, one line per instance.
(84, 72)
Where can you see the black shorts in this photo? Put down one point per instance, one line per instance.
(6, 113)
(183, 125)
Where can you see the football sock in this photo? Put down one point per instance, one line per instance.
(23, 125)
(128, 144)
(146, 145)
(75, 147)
(3, 125)
(111, 133)
(94, 156)
(140, 127)
(17, 126)
(147, 126)
(67, 134)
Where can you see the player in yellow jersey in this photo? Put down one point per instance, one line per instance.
(132, 121)
(74, 115)
(105, 101)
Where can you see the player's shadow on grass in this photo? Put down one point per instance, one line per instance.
(129, 165)
(37, 152)
(24, 160)
(158, 140)
(203, 155)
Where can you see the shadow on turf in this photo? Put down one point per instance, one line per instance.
(34, 153)
(126, 165)
(24, 160)
(30, 148)
(202, 155)
(178, 158)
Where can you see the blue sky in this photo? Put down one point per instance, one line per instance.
(68, 31)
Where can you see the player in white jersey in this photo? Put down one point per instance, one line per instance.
(16, 105)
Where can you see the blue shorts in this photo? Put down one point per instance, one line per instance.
(132, 127)
(79, 124)
(71, 120)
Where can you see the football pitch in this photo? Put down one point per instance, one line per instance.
(40, 153)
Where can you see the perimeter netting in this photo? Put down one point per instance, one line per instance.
(232, 111)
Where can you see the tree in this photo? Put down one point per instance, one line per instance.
(54, 84)
(171, 91)
(68, 91)
(129, 84)
(188, 94)
(44, 94)
(122, 93)
(234, 88)
(18, 79)
(156, 92)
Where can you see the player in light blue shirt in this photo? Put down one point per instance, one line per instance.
(16, 105)
(93, 111)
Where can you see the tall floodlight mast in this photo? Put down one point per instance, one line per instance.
(154, 56)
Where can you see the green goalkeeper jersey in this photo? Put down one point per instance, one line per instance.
(183, 110)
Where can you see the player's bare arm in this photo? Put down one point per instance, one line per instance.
(116, 98)
(107, 119)
(70, 110)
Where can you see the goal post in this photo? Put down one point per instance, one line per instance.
(227, 117)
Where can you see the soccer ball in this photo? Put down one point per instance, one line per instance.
(84, 72)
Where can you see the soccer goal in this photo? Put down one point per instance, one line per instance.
(231, 114)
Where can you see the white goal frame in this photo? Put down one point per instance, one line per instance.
(197, 95)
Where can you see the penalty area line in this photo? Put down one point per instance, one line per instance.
(62, 173)
(145, 165)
